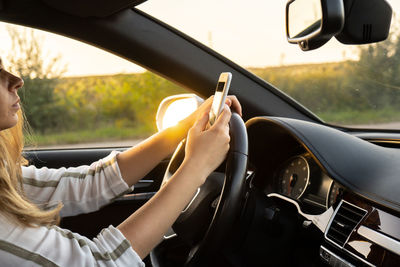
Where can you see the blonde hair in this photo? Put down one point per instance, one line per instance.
(13, 202)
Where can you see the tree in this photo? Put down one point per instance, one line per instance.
(377, 73)
(40, 77)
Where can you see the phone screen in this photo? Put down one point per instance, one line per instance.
(221, 92)
(216, 105)
(217, 98)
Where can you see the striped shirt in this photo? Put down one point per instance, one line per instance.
(82, 189)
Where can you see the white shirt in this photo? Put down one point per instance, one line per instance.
(81, 190)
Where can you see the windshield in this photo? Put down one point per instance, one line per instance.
(353, 86)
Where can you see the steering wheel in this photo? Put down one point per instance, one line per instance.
(219, 199)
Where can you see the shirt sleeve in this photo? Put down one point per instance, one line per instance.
(81, 189)
(54, 246)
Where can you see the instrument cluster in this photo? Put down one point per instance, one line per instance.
(302, 179)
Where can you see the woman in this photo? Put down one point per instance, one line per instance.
(30, 198)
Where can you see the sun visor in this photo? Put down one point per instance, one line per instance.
(92, 8)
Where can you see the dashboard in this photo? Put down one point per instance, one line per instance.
(346, 186)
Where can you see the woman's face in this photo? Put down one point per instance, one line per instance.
(9, 100)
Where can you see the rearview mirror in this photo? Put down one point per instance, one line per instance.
(305, 18)
(312, 23)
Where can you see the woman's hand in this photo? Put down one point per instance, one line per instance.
(206, 148)
(231, 101)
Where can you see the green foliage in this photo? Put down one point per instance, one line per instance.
(118, 101)
(319, 87)
(377, 75)
(40, 104)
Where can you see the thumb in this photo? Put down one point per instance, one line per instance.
(201, 124)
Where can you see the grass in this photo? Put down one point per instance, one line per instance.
(90, 135)
(355, 117)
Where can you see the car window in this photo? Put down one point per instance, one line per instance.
(76, 95)
(354, 86)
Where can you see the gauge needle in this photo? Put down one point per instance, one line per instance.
(292, 182)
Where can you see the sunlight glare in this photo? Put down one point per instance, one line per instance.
(177, 111)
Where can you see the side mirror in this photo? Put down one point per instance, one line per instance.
(175, 108)
(312, 23)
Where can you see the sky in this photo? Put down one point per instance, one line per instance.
(251, 33)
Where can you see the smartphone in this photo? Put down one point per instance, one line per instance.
(224, 81)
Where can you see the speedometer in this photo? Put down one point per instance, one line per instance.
(294, 177)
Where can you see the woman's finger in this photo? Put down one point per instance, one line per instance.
(234, 104)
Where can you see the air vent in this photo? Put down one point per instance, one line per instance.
(345, 220)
